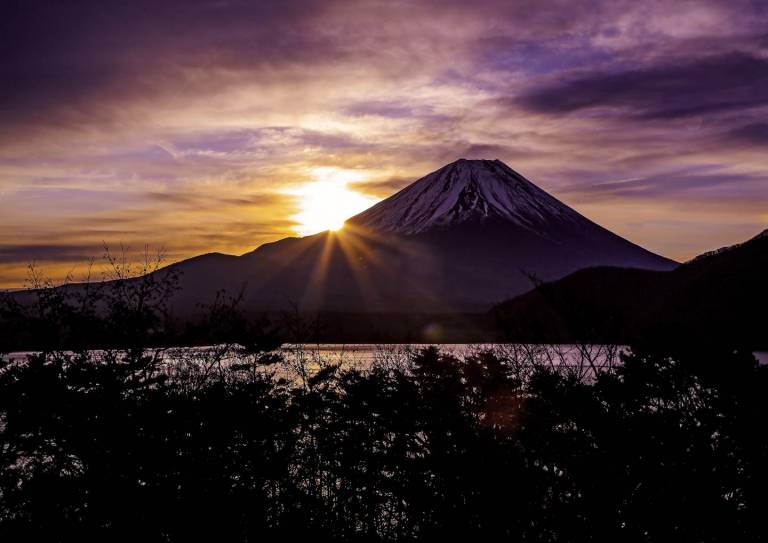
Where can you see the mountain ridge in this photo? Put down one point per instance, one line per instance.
(727, 248)
(461, 238)
(717, 294)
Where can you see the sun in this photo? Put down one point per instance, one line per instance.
(324, 204)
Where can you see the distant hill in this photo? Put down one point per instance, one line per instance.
(722, 293)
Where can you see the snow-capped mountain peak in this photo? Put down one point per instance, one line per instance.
(465, 191)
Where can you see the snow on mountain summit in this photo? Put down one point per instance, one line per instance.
(464, 191)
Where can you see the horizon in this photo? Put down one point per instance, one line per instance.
(217, 127)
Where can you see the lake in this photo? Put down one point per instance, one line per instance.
(549, 354)
(368, 353)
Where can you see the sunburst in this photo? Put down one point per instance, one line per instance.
(326, 202)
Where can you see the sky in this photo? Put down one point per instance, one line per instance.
(197, 126)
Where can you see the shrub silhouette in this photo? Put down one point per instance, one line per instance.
(136, 442)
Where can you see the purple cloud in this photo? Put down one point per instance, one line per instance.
(753, 133)
(682, 89)
(179, 122)
(701, 183)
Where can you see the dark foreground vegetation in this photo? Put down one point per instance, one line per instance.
(137, 443)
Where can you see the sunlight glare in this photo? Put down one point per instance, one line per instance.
(327, 202)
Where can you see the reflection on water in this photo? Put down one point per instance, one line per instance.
(370, 352)
(365, 354)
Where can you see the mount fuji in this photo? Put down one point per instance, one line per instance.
(460, 239)
(468, 191)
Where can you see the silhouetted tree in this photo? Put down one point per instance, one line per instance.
(230, 441)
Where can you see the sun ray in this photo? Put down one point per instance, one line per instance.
(314, 294)
(352, 253)
(358, 240)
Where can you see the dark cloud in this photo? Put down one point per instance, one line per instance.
(74, 58)
(699, 184)
(682, 89)
(381, 109)
(14, 254)
(489, 151)
(754, 133)
(80, 62)
(209, 201)
(174, 198)
(536, 57)
(105, 221)
(256, 200)
(383, 188)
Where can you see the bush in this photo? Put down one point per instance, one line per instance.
(143, 443)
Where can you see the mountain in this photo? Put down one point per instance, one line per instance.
(721, 250)
(471, 191)
(462, 238)
(721, 294)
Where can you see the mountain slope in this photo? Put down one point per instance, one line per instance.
(462, 238)
(466, 191)
(720, 294)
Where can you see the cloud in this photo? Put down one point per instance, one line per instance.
(684, 89)
(382, 188)
(27, 254)
(181, 123)
(702, 183)
(207, 201)
(753, 133)
(71, 58)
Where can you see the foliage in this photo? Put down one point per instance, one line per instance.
(143, 443)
